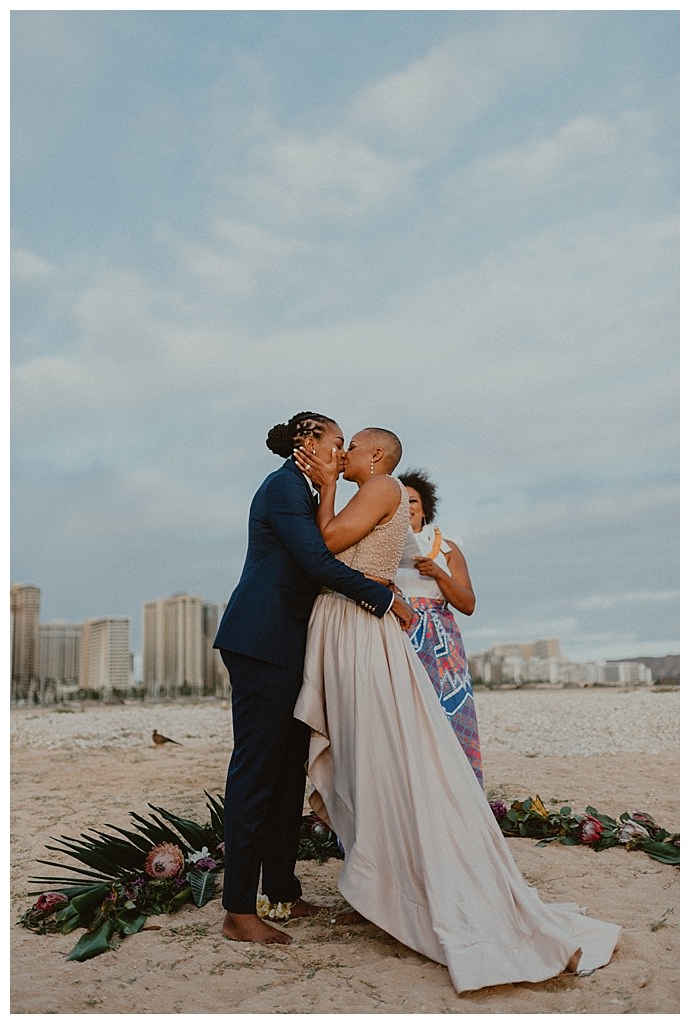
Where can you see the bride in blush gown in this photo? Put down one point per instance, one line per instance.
(425, 859)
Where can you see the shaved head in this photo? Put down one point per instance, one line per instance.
(390, 443)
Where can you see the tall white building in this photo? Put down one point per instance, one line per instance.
(105, 663)
(25, 604)
(178, 656)
(172, 652)
(536, 663)
(216, 681)
(59, 659)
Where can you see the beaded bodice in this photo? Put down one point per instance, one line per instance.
(378, 554)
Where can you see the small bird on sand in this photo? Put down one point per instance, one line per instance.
(159, 740)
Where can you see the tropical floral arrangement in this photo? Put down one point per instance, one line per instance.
(636, 831)
(166, 861)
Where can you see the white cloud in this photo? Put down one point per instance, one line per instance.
(28, 267)
(599, 602)
(452, 84)
(330, 178)
(478, 250)
(579, 153)
(239, 257)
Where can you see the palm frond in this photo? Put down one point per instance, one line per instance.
(216, 809)
(107, 854)
(135, 838)
(195, 835)
(82, 878)
(155, 830)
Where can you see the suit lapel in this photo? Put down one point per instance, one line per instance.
(292, 466)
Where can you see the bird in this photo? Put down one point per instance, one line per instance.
(159, 740)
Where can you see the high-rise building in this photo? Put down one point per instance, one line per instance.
(25, 604)
(536, 649)
(547, 649)
(105, 664)
(172, 655)
(216, 682)
(59, 658)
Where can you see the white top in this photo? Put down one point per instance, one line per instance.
(408, 578)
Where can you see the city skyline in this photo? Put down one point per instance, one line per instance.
(542, 647)
(459, 225)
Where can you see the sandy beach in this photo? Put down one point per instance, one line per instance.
(85, 767)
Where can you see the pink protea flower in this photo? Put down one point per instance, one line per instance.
(164, 861)
(632, 830)
(589, 830)
(49, 901)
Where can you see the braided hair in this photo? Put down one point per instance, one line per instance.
(418, 479)
(283, 438)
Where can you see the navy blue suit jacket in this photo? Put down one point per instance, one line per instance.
(286, 565)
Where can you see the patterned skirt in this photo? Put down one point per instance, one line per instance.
(436, 638)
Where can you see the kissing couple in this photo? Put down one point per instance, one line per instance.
(323, 676)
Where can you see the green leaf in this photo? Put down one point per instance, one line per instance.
(156, 830)
(108, 855)
(84, 878)
(130, 921)
(94, 943)
(665, 853)
(67, 919)
(87, 902)
(138, 841)
(216, 809)
(606, 842)
(202, 884)
(197, 836)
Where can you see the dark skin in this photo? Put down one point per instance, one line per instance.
(367, 463)
(328, 453)
(455, 585)
(251, 928)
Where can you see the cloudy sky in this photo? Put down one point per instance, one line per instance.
(462, 226)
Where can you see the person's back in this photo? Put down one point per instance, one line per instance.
(274, 588)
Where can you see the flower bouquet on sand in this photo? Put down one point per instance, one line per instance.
(636, 831)
(165, 862)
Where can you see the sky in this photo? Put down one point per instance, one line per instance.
(462, 226)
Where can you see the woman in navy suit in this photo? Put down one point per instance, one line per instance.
(262, 637)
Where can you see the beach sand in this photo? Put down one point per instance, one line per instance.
(615, 750)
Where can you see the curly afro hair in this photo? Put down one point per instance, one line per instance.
(421, 483)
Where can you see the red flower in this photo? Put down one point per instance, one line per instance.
(589, 830)
(49, 901)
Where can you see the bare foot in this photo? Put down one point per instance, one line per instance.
(250, 928)
(348, 917)
(300, 908)
(574, 961)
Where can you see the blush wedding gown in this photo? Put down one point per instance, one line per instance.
(425, 859)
